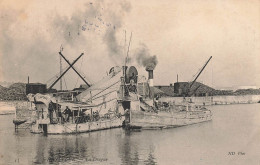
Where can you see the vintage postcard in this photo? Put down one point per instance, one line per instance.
(170, 82)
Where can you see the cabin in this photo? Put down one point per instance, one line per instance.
(36, 88)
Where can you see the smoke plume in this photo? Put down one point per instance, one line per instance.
(100, 18)
(115, 50)
(30, 40)
(145, 59)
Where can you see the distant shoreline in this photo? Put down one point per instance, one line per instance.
(216, 100)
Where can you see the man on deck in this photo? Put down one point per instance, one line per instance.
(51, 109)
(67, 113)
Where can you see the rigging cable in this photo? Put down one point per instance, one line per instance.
(79, 71)
(65, 82)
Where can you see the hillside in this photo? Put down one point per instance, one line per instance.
(15, 91)
(2, 88)
(247, 92)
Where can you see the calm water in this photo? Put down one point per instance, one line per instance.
(235, 128)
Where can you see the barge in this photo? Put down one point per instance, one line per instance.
(122, 98)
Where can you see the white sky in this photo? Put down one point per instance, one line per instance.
(183, 34)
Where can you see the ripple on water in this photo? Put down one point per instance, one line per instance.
(234, 128)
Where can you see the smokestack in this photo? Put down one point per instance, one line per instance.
(28, 79)
(150, 76)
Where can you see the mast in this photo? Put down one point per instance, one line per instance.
(71, 65)
(124, 53)
(60, 74)
(124, 68)
(128, 49)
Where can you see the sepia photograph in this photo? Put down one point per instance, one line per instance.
(130, 82)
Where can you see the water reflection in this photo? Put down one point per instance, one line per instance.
(40, 150)
(134, 150)
(205, 143)
(151, 159)
(61, 148)
(128, 151)
(111, 146)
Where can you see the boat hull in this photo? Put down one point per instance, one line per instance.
(72, 128)
(152, 120)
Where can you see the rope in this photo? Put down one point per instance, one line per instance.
(105, 102)
(104, 89)
(65, 82)
(79, 71)
(52, 79)
(103, 95)
(100, 108)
